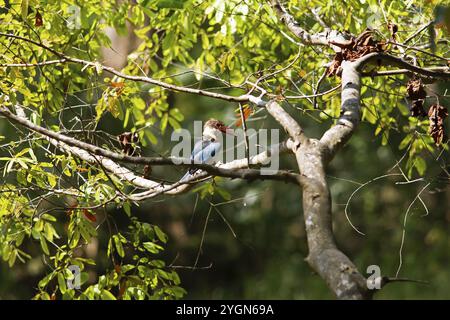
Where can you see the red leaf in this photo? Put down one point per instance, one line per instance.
(71, 208)
(122, 288)
(247, 112)
(89, 215)
(117, 84)
(38, 19)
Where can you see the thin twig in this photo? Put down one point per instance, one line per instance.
(356, 190)
(400, 252)
(415, 34)
(244, 126)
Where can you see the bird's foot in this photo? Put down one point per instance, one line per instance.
(219, 163)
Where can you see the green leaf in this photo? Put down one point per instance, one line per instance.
(24, 9)
(385, 138)
(176, 114)
(44, 296)
(119, 246)
(68, 274)
(49, 231)
(106, 295)
(405, 142)
(12, 257)
(152, 247)
(84, 277)
(138, 103)
(48, 217)
(164, 121)
(69, 294)
(127, 267)
(87, 261)
(127, 208)
(44, 245)
(51, 179)
(21, 177)
(109, 250)
(224, 193)
(62, 283)
(160, 234)
(151, 137)
(178, 292)
(46, 280)
(420, 165)
(174, 123)
(74, 239)
(170, 4)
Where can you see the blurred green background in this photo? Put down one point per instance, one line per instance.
(253, 246)
(266, 258)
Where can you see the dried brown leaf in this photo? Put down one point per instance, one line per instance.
(437, 114)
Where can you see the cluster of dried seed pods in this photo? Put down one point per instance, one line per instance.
(436, 113)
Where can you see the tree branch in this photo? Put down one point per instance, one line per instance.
(335, 137)
(100, 67)
(384, 58)
(324, 257)
(96, 155)
(324, 38)
(286, 121)
(29, 65)
(442, 70)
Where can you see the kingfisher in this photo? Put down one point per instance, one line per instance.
(209, 146)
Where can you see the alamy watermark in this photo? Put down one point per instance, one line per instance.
(74, 19)
(75, 282)
(374, 280)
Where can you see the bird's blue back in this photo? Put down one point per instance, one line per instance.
(204, 152)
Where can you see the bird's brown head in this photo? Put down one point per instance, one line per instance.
(218, 125)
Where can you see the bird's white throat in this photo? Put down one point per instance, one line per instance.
(211, 133)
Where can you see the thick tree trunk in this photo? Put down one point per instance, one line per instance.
(324, 257)
(312, 156)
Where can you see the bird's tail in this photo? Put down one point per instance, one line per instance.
(188, 175)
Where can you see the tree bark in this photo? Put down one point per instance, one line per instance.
(312, 156)
(324, 257)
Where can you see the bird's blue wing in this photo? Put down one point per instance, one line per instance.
(199, 146)
(206, 151)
